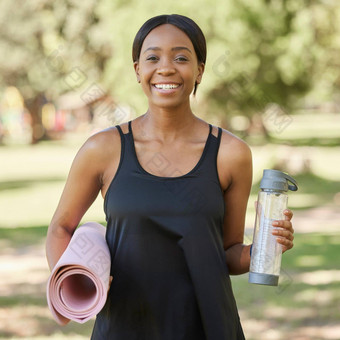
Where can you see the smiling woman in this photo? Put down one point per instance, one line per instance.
(167, 67)
(175, 192)
(186, 26)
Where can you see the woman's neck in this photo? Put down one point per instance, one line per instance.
(168, 124)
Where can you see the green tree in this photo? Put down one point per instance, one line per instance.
(274, 52)
(50, 47)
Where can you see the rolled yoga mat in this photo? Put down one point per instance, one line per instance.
(78, 284)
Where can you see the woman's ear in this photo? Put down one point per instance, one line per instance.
(136, 67)
(200, 73)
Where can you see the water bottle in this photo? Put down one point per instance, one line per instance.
(266, 252)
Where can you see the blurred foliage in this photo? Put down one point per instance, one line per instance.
(278, 51)
(259, 52)
(45, 40)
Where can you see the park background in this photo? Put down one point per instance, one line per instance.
(272, 78)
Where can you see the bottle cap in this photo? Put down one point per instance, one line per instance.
(277, 180)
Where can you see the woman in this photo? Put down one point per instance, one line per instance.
(175, 193)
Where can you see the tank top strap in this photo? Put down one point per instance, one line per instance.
(219, 135)
(130, 163)
(119, 130)
(122, 140)
(208, 167)
(214, 142)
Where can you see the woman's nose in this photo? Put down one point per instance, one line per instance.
(166, 68)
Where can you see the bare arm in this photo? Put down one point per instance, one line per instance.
(237, 179)
(83, 184)
(235, 171)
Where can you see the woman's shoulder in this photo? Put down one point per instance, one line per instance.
(234, 148)
(102, 139)
(101, 145)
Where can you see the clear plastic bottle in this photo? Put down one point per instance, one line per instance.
(266, 252)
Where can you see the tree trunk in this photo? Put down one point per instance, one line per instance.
(257, 126)
(34, 106)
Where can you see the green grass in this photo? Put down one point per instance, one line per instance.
(21, 237)
(303, 129)
(313, 184)
(314, 251)
(298, 301)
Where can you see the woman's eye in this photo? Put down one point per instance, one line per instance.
(152, 58)
(181, 59)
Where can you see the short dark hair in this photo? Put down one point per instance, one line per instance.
(185, 24)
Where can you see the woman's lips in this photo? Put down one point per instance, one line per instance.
(166, 87)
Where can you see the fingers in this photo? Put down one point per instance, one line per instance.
(285, 224)
(284, 231)
(288, 214)
(286, 243)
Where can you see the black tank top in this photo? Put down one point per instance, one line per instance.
(165, 234)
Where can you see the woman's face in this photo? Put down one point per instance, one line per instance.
(167, 68)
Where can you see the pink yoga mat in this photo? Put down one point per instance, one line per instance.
(77, 287)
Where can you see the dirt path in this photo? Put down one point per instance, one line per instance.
(322, 220)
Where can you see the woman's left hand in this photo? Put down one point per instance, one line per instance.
(285, 235)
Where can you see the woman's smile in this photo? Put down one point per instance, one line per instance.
(166, 88)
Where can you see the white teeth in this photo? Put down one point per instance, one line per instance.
(166, 86)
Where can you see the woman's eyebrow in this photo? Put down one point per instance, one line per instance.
(177, 48)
